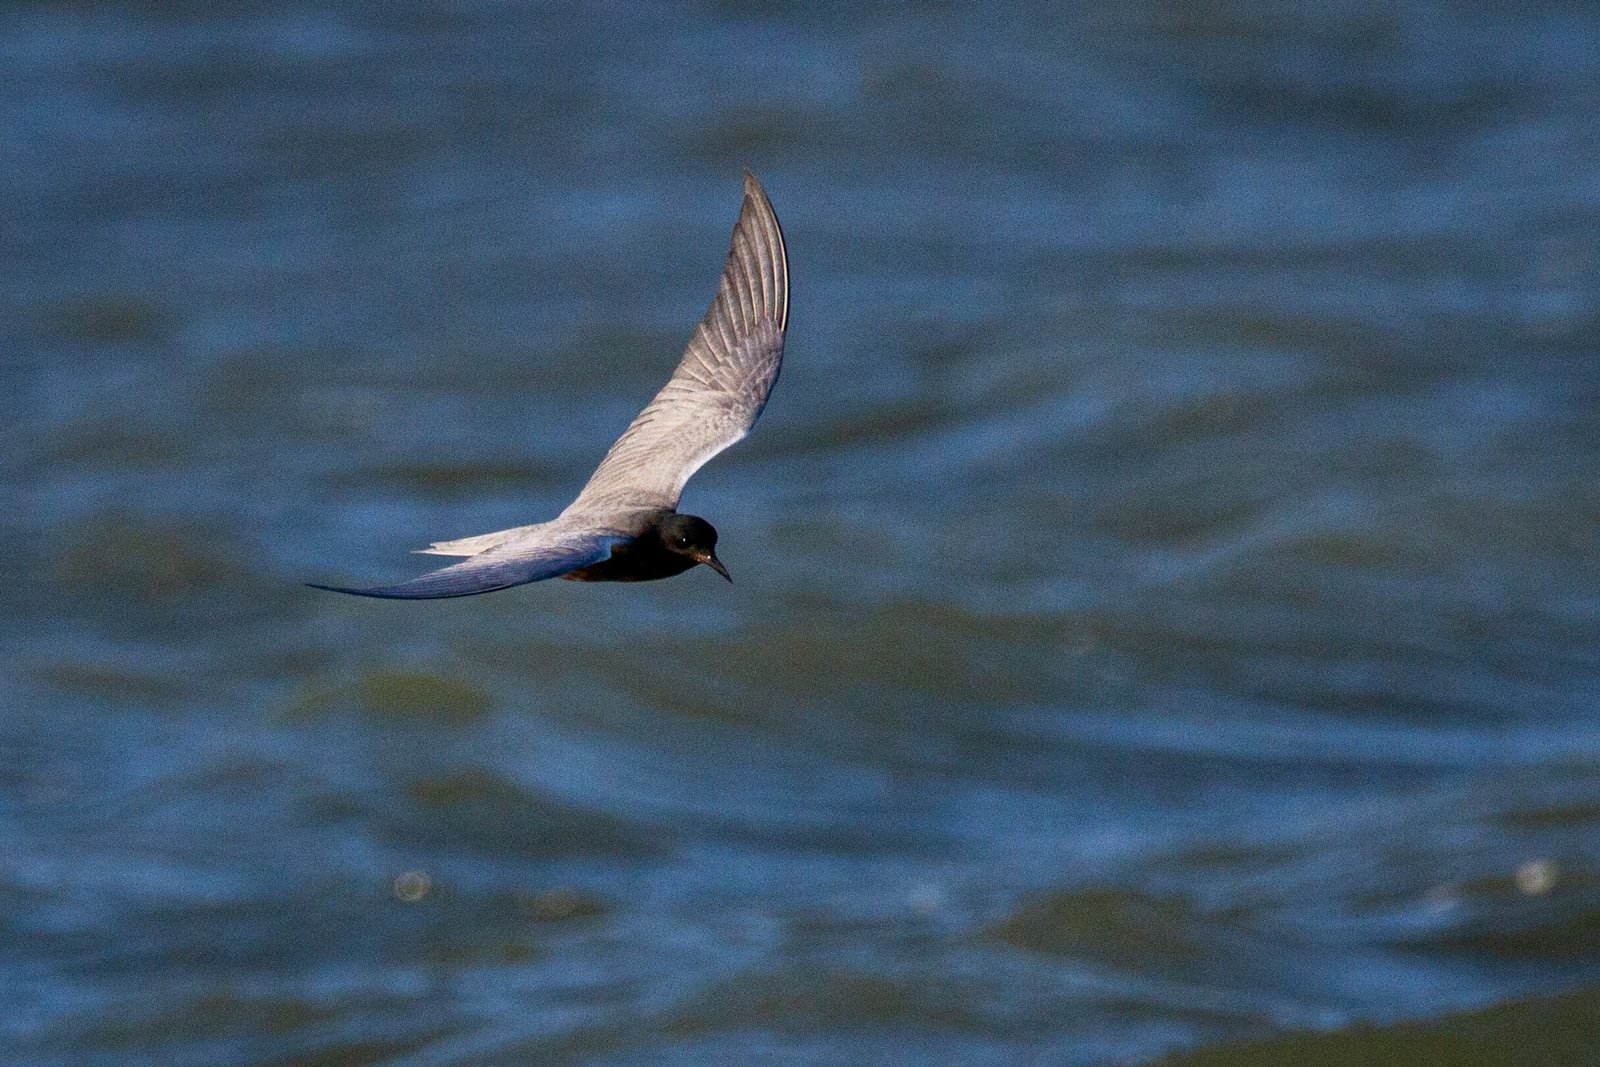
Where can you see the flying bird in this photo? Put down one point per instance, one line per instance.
(625, 526)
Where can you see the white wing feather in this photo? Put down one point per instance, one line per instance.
(722, 383)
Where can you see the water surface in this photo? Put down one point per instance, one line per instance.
(1167, 600)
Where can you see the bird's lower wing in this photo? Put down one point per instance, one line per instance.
(500, 568)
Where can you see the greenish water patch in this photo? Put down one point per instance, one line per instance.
(396, 694)
(473, 809)
(110, 319)
(107, 682)
(1528, 1033)
(137, 558)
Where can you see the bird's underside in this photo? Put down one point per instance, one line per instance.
(713, 398)
(640, 560)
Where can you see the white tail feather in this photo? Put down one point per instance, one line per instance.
(472, 546)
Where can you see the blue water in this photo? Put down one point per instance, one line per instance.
(1167, 600)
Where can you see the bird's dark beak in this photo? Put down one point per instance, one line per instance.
(709, 558)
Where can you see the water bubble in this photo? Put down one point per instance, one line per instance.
(556, 904)
(412, 886)
(1536, 877)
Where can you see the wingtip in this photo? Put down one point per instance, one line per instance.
(756, 203)
(377, 593)
(752, 186)
(382, 592)
(326, 588)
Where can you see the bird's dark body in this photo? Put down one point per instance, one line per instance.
(667, 544)
(644, 559)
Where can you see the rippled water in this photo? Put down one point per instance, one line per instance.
(1167, 599)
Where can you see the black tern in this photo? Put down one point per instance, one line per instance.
(625, 526)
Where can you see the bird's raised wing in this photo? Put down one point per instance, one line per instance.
(722, 383)
(552, 553)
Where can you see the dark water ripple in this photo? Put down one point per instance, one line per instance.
(1167, 599)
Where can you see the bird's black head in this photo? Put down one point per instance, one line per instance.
(692, 536)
